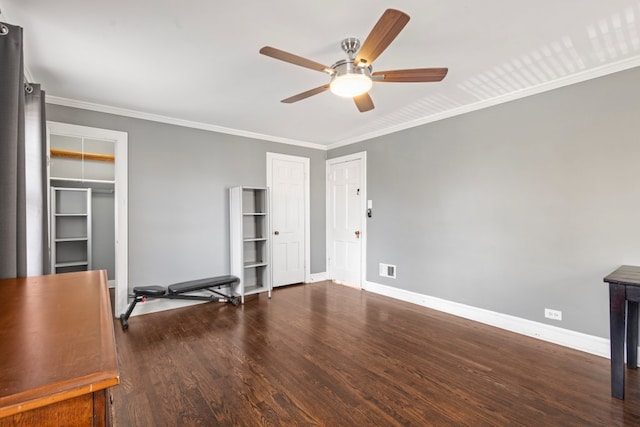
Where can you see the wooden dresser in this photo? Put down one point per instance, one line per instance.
(57, 350)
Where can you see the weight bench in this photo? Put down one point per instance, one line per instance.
(180, 291)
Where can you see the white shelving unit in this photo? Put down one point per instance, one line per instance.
(249, 240)
(70, 229)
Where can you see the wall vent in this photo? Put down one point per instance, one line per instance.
(388, 270)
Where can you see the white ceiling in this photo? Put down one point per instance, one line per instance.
(196, 62)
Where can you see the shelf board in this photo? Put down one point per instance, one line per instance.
(71, 214)
(71, 263)
(254, 213)
(255, 289)
(72, 239)
(254, 239)
(100, 181)
(254, 264)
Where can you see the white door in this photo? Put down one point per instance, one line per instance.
(289, 189)
(345, 220)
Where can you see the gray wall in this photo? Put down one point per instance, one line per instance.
(515, 208)
(103, 251)
(178, 194)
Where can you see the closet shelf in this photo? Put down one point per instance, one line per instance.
(254, 264)
(250, 290)
(72, 239)
(97, 181)
(71, 263)
(255, 239)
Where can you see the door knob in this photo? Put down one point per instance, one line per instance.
(358, 234)
(276, 232)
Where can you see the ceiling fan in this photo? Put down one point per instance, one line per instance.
(354, 76)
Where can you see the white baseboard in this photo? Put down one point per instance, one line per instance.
(318, 277)
(565, 337)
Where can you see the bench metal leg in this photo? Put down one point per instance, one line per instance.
(124, 318)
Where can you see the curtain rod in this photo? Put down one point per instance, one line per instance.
(4, 30)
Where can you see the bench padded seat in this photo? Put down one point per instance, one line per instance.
(149, 291)
(196, 285)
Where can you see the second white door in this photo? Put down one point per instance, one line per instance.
(288, 192)
(345, 226)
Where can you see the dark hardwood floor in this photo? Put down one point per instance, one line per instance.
(328, 355)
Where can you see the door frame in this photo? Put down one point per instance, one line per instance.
(362, 156)
(120, 140)
(307, 208)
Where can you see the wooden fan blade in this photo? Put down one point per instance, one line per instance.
(294, 59)
(364, 102)
(413, 75)
(383, 33)
(303, 95)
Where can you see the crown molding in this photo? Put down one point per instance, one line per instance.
(555, 84)
(544, 87)
(66, 102)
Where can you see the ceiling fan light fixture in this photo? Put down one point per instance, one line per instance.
(350, 85)
(350, 81)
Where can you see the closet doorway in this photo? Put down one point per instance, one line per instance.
(87, 176)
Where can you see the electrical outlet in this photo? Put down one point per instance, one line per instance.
(387, 270)
(552, 314)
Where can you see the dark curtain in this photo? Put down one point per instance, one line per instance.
(23, 207)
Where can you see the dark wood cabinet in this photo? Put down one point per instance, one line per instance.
(58, 357)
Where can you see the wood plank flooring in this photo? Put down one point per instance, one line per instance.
(327, 355)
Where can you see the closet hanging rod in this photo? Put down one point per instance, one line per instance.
(70, 154)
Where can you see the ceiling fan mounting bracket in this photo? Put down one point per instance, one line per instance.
(350, 46)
